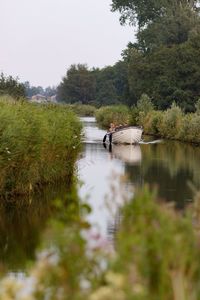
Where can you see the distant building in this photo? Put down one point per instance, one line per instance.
(43, 99)
(38, 98)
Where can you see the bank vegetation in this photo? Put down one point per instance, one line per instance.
(38, 145)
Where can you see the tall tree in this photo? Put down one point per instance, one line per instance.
(77, 86)
(144, 12)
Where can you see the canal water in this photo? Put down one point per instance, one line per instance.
(108, 177)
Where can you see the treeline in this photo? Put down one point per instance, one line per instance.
(12, 87)
(164, 62)
(34, 90)
(96, 86)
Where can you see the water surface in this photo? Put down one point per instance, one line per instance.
(109, 177)
(111, 174)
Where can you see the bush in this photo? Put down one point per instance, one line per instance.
(152, 122)
(83, 110)
(144, 104)
(117, 114)
(171, 122)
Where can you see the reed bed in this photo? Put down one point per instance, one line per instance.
(38, 145)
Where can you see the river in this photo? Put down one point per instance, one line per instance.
(109, 176)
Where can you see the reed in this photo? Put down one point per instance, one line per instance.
(38, 145)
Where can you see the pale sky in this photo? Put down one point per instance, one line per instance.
(40, 39)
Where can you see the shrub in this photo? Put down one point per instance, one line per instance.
(117, 114)
(152, 122)
(83, 110)
(171, 122)
(144, 104)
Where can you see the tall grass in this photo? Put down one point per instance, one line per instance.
(38, 145)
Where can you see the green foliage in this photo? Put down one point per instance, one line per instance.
(171, 122)
(97, 86)
(197, 106)
(147, 12)
(156, 256)
(38, 145)
(83, 110)
(158, 251)
(152, 122)
(111, 84)
(77, 86)
(190, 129)
(144, 104)
(117, 114)
(167, 74)
(11, 86)
(164, 62)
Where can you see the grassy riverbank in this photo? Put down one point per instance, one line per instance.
(38, 145)
(170, 124)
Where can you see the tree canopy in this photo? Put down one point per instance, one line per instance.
(144, 12)
(164, 61)
(96, 86)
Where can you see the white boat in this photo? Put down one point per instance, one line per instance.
(125, 135)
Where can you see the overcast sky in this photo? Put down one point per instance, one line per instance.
(40, 39)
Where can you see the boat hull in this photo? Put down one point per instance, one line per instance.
(128, 135)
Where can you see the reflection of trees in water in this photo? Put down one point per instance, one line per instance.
(170, 166)
(113, 227)
(22, 224)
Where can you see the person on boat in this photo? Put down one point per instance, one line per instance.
(112, 127)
